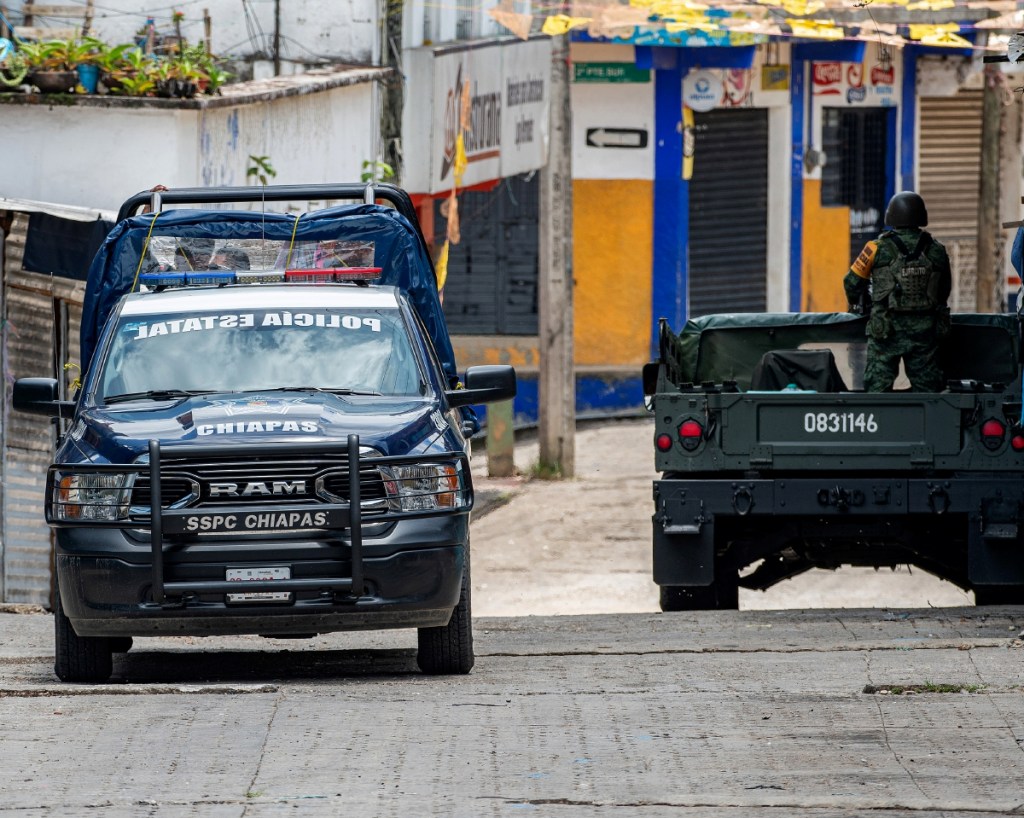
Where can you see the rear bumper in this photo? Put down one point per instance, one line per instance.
(412, 578)
(972, 523)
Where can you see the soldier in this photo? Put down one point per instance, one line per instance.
(903, 280)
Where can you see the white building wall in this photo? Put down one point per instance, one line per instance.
(98, 156)
(610, 105)
(315, 138)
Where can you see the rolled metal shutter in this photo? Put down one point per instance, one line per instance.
(41, 312)
(493, 272)
(728, 241)
(949, 170)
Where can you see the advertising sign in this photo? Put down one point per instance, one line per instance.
(702, 90)
(497, 95)
(867, 84)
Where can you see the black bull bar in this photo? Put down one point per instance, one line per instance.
(340, 516)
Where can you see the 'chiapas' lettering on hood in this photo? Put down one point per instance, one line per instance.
(242, 427)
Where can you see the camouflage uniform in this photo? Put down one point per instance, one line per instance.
(903, 325)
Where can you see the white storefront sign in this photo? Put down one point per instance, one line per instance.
(509, 97)
(702, 90)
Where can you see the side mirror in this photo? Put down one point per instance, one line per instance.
(41, 396)
(649, 377)
(484, 384)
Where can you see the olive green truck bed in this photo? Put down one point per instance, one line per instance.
(773, 459)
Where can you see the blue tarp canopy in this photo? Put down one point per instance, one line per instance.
(397, 249)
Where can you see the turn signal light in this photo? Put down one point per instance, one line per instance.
(664, 442)
(690, 433)
(992, 432)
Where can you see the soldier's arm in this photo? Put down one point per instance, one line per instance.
(856, 281)
(941, 262)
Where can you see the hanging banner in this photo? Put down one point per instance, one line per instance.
(689, 142)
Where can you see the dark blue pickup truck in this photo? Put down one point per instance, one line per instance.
(270, 437)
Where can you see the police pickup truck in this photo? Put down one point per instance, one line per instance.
(270, 437)
(774, 460)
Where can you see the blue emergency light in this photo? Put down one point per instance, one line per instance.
(162, 279)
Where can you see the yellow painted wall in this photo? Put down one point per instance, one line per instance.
(612, 258)
(826, 252)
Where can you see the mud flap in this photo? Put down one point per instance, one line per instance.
(995, 552)
(684, 555)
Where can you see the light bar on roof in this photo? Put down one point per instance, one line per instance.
(217, 278)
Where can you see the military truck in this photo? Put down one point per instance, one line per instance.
(270, 436)
(774, 460)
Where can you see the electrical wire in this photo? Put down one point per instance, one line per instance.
(252, 27)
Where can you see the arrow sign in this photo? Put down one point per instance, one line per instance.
(617, 137)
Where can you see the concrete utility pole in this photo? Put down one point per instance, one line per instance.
(989, 296)
(557, 385)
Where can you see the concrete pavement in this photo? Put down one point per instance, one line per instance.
(896, 710)
(750, 713)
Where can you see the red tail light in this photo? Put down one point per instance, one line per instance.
(690, 433)
(1017, 441)
(992, 432)
(663, 442)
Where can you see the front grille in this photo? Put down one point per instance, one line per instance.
(278, 481)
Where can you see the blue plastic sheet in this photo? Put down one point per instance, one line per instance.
(397, 250)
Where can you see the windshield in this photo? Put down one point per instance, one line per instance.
(359, 351)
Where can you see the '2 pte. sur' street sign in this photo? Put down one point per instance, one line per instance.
(617, 137)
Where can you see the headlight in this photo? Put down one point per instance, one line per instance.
(99, 496)
(424, 488)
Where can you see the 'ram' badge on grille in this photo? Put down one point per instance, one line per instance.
(275, 488)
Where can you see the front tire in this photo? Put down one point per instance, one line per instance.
(448, 649)
(77, 658)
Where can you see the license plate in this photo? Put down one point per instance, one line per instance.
(848, 424)
(252, 574)
(256, 522)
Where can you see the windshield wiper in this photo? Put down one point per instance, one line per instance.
(331, 390)
(157, 394)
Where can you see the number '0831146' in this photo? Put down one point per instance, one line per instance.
(839, 422)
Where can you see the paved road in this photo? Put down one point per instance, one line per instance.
(896, 711)
(757, 713)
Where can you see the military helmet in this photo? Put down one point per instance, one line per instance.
(906, 209)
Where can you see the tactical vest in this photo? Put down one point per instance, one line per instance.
(908, 283)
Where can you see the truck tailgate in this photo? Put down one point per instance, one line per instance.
(771, 427)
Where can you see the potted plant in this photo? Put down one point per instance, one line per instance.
(176, 78)
(123, 63)
(50, 67)
(14, 69)
(136, 85)
(210, 76)
(216, 77)
(86, 56)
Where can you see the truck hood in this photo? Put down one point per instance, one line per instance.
(120, 433)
